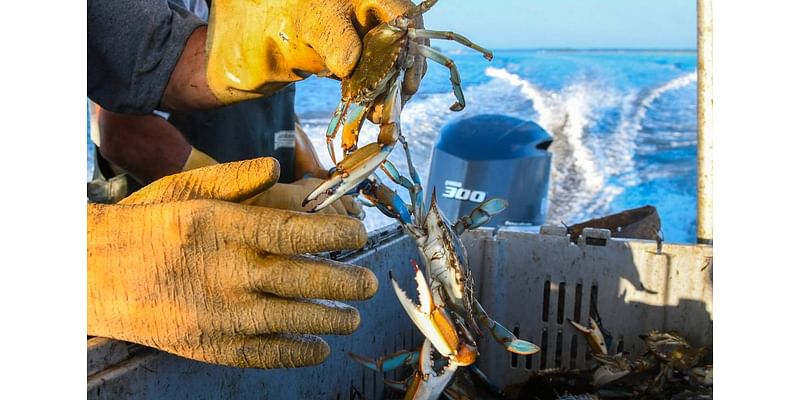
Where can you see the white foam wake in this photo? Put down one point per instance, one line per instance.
(630, 126)
(575, 177)
(582, 164)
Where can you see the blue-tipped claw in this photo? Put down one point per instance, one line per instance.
(504, 336)
(388, 362)
(349, 173)
(480, 215)
(386, 200)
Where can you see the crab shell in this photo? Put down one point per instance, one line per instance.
(447, 261)
(384, 45)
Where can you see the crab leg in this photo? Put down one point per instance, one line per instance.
(455, 78)
(417, 198)
(433, 321)
(428, 34)
(333, 127)
(348, 118)
(480, 215)
(503, 335)
(414, 188)
(385, 199)
(351, 126)
(388, 362)
(391, 171)
(420, 9)
(400, 386)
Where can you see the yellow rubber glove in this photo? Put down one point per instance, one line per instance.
(256, 47)
(285, 196)
(291, 196)
(179, 267)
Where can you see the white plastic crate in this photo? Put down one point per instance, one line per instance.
(533, 284)
(530, 283)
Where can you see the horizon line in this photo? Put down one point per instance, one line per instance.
(590, 49)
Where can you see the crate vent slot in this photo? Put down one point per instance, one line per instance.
(374, 386)
(562, 291)
(514, 356)
(363, 382)
(573, 352)
(595, 241)
(621, 344)
(559, 348)
(578, 297)
(543, 356)
(546, 301)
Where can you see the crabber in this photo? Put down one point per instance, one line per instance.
(388, 50)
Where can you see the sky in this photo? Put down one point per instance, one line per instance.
(579, 24)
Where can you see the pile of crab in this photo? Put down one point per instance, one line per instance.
(447, 314)
(670, 368)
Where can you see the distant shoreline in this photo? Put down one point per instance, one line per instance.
(610, 50)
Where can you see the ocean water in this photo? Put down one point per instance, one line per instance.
(623, 122)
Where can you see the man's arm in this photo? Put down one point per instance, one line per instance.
(187, 89)
(148, 147)
(133, 50)
(306, 160)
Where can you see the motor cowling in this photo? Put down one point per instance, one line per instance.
(486, 156)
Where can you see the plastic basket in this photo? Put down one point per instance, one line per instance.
(531, 283)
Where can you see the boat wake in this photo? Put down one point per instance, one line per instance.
(593, 159)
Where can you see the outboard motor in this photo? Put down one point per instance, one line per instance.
(487, 156)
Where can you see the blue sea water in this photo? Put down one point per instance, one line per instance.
(623, 122)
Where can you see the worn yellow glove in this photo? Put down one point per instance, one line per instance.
(285, 196)
(256, 47)
(290, 197)
(179, 267)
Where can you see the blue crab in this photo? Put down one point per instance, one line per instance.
(447, 269)
(389, 49)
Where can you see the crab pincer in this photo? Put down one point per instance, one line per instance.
(434, 322)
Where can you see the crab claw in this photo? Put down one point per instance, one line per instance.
(613, 368)
(400, 386)
(593, 336)
(429, 383)
(387, 201)
(503, 335)
(434, 323)
(388, 362)
(349, 173)
(480, 215)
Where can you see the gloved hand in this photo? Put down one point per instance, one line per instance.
(256, 47)
(290, 197)
(179, 267)
(282, 195)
